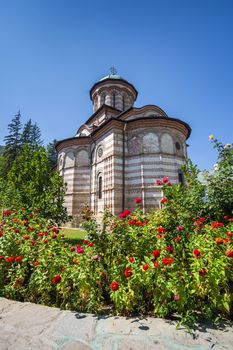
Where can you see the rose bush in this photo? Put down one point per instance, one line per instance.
(176, 261)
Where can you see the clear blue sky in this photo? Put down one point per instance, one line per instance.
(177, 53)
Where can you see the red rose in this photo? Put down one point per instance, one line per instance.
(167, 261)
(127, 212)
(229, 234)
(131, 222)
(217, 224)
(169, 249)
(202, 272)
(10, 259)
(159, 183)
(128, 272)
(114, 286)
(54, 236)
(165, 179)
(161, 230)
(156, 253)
(26, 237)
(177, 239)
(156, 264)
(229, 253)
(18, 258)
(90, 244)
(163, 200)
(196, 253)
(56, 279)
(137, 200)
(139, 223)
(131, 260)
(36, 263)
(8, 212)
(85, 241)
(145, 267)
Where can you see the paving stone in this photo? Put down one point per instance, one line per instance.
(75, 326)
(77, 345)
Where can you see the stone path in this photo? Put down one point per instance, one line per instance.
(26, 326)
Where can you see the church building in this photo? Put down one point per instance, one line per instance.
(120, 151)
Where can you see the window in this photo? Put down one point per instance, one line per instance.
(100, 187)
(123, 102)
(114, 100)
(180, 177)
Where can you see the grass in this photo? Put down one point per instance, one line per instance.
(74, 236)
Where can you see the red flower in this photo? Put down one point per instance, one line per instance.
(80, 250)
(137, 200)
(131, 222)
(128, 272)
(56, 279)
(145, 267)
(36, 263)
(161, 230)
(45, 241)
(156, 253)
(229, 253)
(124, 214)
(217, 224)
(197, 253)
(219, 240)
(202, 272)
(18, 258)
(131, 260)
(226, 217)
(177, 239)
(1, 257)
(163, 200)
(90, 244)
(85, 241)
(54, 236)
(159, 183)
(114, 286)
(139, 223)
(169, 249)
(1, 234)
(8, 212)
(229, 234)
(41, 234)
(16, 230)
(26, 237)
(165, 179)
(10, 259)
(167, 261)
(156, 264)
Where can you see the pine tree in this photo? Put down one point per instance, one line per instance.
(13, 144)
(27, 133)
(52, 153)
(35, 136)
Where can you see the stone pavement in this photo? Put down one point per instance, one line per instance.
(26, 326)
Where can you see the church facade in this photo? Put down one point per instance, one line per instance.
(120, 151)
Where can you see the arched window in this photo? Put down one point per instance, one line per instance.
(100, 187)
(123, 102)
(181, 177)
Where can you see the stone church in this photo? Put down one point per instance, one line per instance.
(120, 151)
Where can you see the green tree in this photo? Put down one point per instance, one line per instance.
(220, 182)
(52, 153)
(31, 134)
(12, 142)
(31, 183)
